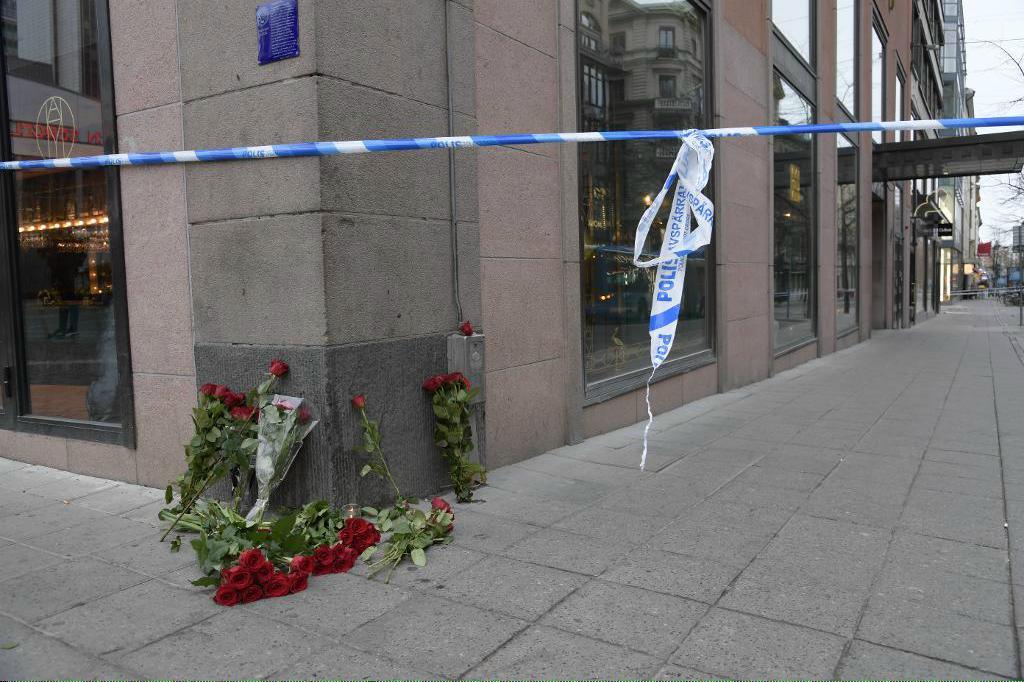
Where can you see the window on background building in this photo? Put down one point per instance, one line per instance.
(847, 235)
(795, 19)
(618, 42)
(877, 81)
(846, 55)
(67, 282)
(794, 220)
(666, 37)
(666, 86)
(617, 182)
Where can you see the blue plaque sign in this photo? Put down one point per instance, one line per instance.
(277, 30)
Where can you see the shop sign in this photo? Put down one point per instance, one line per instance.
(277, 30)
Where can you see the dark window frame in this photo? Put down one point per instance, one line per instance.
(814, 237)
(606, 389)
(122, 433)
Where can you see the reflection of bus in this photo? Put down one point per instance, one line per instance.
(620, 292)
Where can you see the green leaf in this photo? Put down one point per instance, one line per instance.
(208, 581)
(280, 529)
(365, 470)
(168, 494)
(176, 544)
(369, 511)
(8, 645)
(418, 556)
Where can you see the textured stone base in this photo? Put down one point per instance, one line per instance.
(388, 373)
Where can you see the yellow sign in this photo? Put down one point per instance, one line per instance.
(794, 183)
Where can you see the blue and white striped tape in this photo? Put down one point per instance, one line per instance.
(689, 174)
(405, 144)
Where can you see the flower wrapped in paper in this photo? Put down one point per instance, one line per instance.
(283, 424)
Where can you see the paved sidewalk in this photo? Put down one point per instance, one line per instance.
(844, 519)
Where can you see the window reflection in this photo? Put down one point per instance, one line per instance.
(793, 19)
(794, 205)
(642, 66)
(64, 259)
(846, 55)
(846, 235)
(877, 82)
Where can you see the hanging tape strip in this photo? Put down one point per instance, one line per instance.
(689, 174)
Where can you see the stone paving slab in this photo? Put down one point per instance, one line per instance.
(842, 519)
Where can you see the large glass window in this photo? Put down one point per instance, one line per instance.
(846, 55)
(618, 180)
(795, 20)
(847, 237)
(66, 279)
(794, 219)
(877, 81)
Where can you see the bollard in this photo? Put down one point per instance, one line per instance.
(1020, 305)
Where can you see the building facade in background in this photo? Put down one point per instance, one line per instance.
(128, 287)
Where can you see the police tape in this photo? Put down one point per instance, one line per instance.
(689, 174)
(301, 149)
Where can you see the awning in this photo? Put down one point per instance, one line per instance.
(949, 156)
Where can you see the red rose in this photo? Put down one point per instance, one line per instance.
(456, 377)
(323, 558)
(251, 559)
(433, 383)
(302, 564)
(298, 581)
(304, 415)
(442, 504)
(359, 534)
(359, 401)
(251, 594)
(227, 596)
(220, 391)
(466, 328)
(208, 389)
(344, 558)
(278, 368)
(232, 399)
(237, 577)
(279, 585)
(243, 413)
(264, 573)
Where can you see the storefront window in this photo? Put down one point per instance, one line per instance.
(846, 55)
(794, 218)
(846, 235)
(651, 89)
(794, 19)
(62, 218)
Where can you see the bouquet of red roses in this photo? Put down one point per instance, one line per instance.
(451, 396)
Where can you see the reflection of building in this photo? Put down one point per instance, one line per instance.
(642, 66)
(355, 269)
